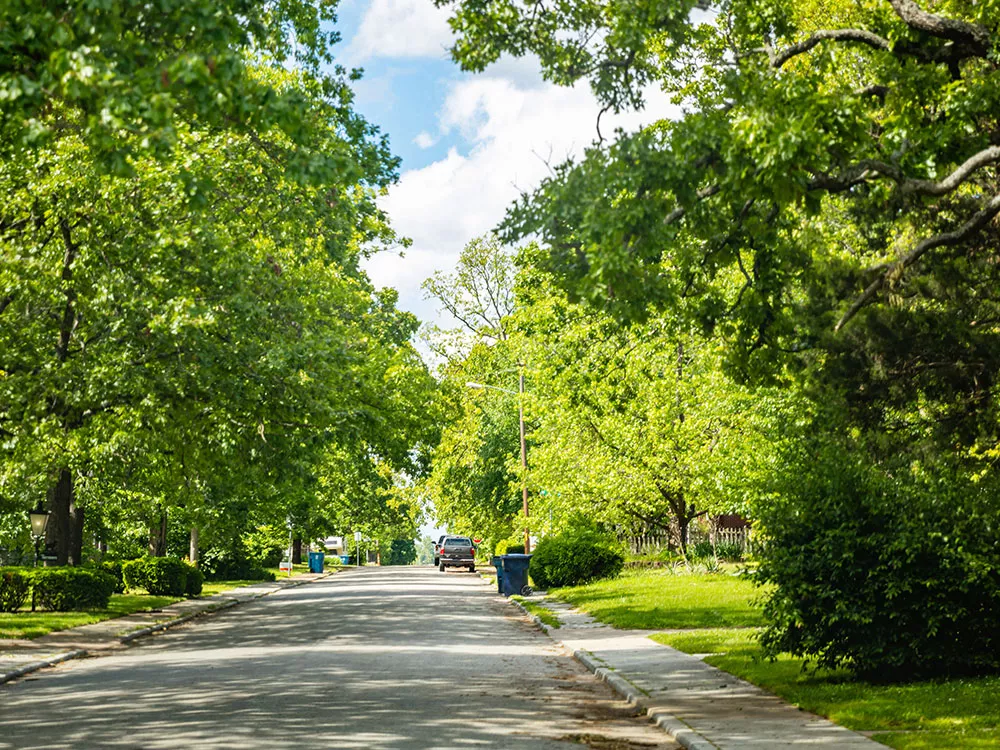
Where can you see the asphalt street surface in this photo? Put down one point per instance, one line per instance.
(373, 658)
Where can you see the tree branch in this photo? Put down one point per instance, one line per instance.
(975, 37)
(970, 227)
(702, 194)
(836, 35)
(956, 178)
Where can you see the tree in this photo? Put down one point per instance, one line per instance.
(188, 323)
(478, 297)
(825, 205)
(475, 480)
(637, 426)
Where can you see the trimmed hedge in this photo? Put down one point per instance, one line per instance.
(114, 569)
(195, 581)
(14, 587)
(574, 557)
(163, 576)
(65, 589)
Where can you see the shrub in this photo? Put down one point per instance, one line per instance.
(64, 589)
(731, 551)
(195, 581)
(892, 575)
(14, 586)
(160, 576)
(134, 573)
(515, 549)
(266, 546)
(114, 569)
(574, 557)
(225, 565)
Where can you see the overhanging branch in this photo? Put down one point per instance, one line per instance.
(973, 225)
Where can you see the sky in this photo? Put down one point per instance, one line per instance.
(469, 144)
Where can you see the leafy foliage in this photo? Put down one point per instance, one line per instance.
(65, 589)
(574, 557)
(14, 587)
(163, 576)
(894, 576)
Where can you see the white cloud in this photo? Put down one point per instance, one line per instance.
(401, 28)
(511, 130)
(425, 139)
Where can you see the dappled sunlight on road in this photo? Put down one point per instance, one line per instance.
(375, 658)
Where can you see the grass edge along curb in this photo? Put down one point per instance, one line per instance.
(129, 637)
(539, 612)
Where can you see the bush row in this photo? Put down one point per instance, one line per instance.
(60, 589)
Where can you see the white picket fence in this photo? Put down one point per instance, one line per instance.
(651, 544)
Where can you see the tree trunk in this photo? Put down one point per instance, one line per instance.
(158, 534)
(76, 519)
(297, 551)
(58, 533)
(193, 548)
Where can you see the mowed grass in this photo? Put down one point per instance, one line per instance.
(661, 599)
(934, 714)
(27, 624)
(544, 614)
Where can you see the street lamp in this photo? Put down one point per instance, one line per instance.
(39, 520)
(524, 447)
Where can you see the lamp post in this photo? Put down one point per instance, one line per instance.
(39, 520)
(524, 448)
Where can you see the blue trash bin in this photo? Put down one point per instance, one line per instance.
(497, 563)
(515, 575)
(345, 559)
(316, 560)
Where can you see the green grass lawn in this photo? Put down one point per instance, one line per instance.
(914, 716)
(660, 599)
(27, 624)
(544, 614)
(211, 588)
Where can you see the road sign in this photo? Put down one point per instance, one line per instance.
(357, 536)
(49, 558)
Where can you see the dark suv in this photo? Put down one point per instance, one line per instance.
(457, 552)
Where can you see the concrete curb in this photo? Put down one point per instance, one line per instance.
(534, 618)
(42, 664)
(677, 729)
(680, 732)
(129, 637)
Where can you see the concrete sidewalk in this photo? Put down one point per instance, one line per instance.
(21, 657)
(702, 707)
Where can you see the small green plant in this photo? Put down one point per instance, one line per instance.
(573, 557)
(65, 589)
(14, 586)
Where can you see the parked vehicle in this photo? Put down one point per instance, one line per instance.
(457, 552)
(437, 547)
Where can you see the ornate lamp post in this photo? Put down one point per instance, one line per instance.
(39, 520)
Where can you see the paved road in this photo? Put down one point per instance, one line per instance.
(374, 658)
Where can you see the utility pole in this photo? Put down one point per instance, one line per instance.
(524, 456)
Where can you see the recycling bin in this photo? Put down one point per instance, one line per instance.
(515, 575)
(497, 563)
(316, 560)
